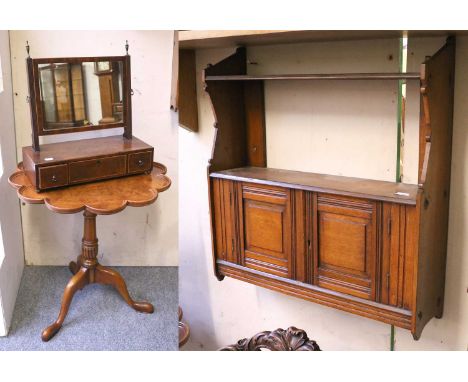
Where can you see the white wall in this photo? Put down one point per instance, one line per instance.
(325, 123)
(11, 241)
(316, 125)
(136, 236)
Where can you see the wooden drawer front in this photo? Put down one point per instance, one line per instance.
(266, 226)
(53, 176)
(94, 169)
(140, 162)
(346, 250)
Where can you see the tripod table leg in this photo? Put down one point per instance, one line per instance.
(108, 276)
(78, 281)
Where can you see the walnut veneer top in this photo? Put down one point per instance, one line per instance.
(342, 185)
(102, 198)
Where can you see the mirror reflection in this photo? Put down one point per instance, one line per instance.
(83, 94)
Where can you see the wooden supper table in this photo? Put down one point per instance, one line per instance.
(99, 198)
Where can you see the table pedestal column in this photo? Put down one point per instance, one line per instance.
(87, 270)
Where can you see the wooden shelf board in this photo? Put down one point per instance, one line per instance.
(331, 184)
(321, 76)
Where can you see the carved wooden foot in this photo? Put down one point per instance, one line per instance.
(184, 330)
(108, 276)
(78, 281)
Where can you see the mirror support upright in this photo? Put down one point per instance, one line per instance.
(32, 104)
(127, 96)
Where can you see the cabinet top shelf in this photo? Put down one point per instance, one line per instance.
(342, 185)
(321, 76)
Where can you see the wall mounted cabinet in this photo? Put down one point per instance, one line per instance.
(364, 246)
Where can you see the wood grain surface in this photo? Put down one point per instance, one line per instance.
(342, 185)
(101, 198)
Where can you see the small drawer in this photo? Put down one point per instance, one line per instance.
(95, 169)
(140, 162)
(53, 176)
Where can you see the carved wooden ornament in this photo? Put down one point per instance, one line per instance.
(291, 339)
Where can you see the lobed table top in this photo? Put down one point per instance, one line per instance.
(101, 198)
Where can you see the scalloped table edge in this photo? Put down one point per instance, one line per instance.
(19, 187)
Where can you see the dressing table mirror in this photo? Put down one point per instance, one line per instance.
(83, 94)
(80, 94)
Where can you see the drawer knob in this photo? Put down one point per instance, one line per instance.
(54, 178)
(140, 163)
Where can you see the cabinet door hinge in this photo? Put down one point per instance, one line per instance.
(388, 282)
(389, 227)
(232, 246)
(230, 197)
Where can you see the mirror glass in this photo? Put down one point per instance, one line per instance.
(81, 94)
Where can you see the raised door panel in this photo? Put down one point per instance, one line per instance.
(265, 221)
(346, 245)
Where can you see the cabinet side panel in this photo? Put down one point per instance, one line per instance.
(437, 104)
(229, 143)
(227, 100)
(255, 123)
(229, 148)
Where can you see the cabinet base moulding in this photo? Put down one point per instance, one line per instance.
(393, 316)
